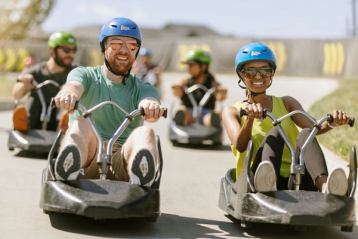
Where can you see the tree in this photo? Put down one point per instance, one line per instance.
(17, 17)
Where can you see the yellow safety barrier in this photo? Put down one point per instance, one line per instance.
(12, 59)
(22, 53)
(279, 50)
(2, 59)
(333, 56)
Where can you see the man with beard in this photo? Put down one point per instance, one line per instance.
(62, 48)
(135, 155)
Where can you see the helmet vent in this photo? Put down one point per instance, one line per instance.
(115, 26)
(264, 50)
(246, 52)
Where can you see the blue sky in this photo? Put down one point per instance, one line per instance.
(258, 18)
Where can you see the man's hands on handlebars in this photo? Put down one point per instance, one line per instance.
(152, 109)
(220, 93)
(27, 80)
(65, 100)
(178, 90)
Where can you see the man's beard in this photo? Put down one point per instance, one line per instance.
(61, 62)
(120, 68)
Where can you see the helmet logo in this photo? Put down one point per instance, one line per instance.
(125, 28)
(255, 53)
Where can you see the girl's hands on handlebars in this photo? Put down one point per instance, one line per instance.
(253, 110)
(339, 118)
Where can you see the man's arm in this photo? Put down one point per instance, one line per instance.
(220, 91)
(68, 95)
(178, 87)
(152, 108)
(23, 85)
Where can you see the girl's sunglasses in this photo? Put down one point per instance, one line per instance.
(251, 72)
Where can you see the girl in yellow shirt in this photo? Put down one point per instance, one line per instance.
(255, 65)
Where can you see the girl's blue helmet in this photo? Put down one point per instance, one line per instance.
(120, 26)
(254, 52)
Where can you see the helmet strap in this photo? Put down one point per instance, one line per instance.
(254, 94)
(124, 75)
(240, 85)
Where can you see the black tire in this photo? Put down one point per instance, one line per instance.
(152, 218)
(246, 224)
(47, 212)
(174, 143)
(347, 228)
(233, 219)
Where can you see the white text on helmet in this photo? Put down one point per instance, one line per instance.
(124, 28)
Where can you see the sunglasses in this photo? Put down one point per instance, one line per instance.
(251, 72)
(116, 45)
(68, 50)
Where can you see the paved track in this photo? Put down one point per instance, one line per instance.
(189, 190)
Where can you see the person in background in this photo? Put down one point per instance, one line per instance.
(145, 69)
(62, 50)
(198, 62)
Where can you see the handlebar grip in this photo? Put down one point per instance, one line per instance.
(165, 113)
(329, 118)
(351, 122)
(18, 80)
(53, 104)
(243, 113)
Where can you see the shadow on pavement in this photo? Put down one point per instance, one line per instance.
(267, 230)
(204, 147)
(167, 226)
(33, 155)
(175, 226)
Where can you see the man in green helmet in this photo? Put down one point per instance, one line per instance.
(62, 49)
(198, 62)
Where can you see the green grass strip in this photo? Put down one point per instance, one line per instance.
(345, 97)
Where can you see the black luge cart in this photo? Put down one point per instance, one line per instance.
(297, 207)
(101, 198)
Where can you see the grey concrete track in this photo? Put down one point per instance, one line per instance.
(189, 190)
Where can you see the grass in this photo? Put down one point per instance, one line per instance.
(339, 140)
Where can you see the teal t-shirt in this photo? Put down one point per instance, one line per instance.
(98, 88)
